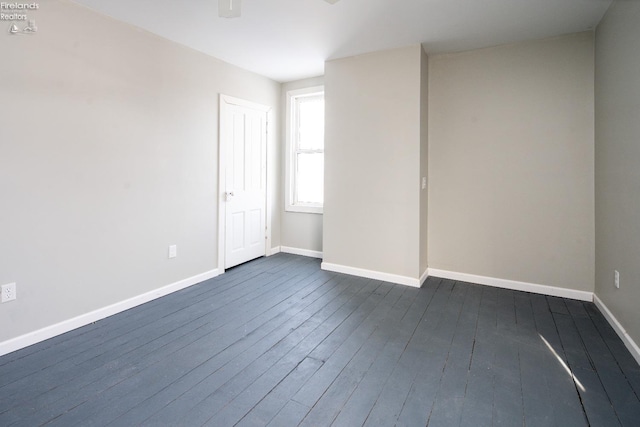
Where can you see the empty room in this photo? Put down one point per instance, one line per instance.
(320, 213)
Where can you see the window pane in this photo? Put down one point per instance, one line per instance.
(311, 122)
(310, 183)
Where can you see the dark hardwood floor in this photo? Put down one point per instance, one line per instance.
(279, 342)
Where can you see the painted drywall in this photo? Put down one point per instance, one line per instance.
(617, 160)
(424, 162)
(299, 230)
(109, 152)
(372, 162)
(511, 154)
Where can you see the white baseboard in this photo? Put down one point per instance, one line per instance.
(273, 251)
(424, 277)
(303, 252)
(464, 277)
(514, 285)
(617, 326)
(93, 316)
(371, 274)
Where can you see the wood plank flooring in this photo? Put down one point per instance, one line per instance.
(279, 342)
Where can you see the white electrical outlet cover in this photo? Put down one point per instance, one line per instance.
(9, 292)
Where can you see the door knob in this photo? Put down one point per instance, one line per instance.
(229, 195)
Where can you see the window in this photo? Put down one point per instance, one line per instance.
(305, 150)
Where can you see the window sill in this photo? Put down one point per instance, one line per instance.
(304, 209)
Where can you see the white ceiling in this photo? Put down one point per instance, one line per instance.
(290, 39)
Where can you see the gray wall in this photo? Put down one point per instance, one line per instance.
(109, 151)
(618, 162)
(511, 153)
(299, 230)
(372, 166)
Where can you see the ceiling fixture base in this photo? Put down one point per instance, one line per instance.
(229, 8)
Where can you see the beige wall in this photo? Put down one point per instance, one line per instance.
(511, 155)
(618, 162)
(372, 167)
(299, 230)
(424, 161)
(109, 154)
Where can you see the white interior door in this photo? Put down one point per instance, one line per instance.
(245, 190)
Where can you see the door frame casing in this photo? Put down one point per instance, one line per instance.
(225, 102)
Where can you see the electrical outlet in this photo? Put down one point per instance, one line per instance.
(9, 292)
(424, 182)
(173, 251)
(616, 279)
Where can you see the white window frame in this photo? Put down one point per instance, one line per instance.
(291, 205)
